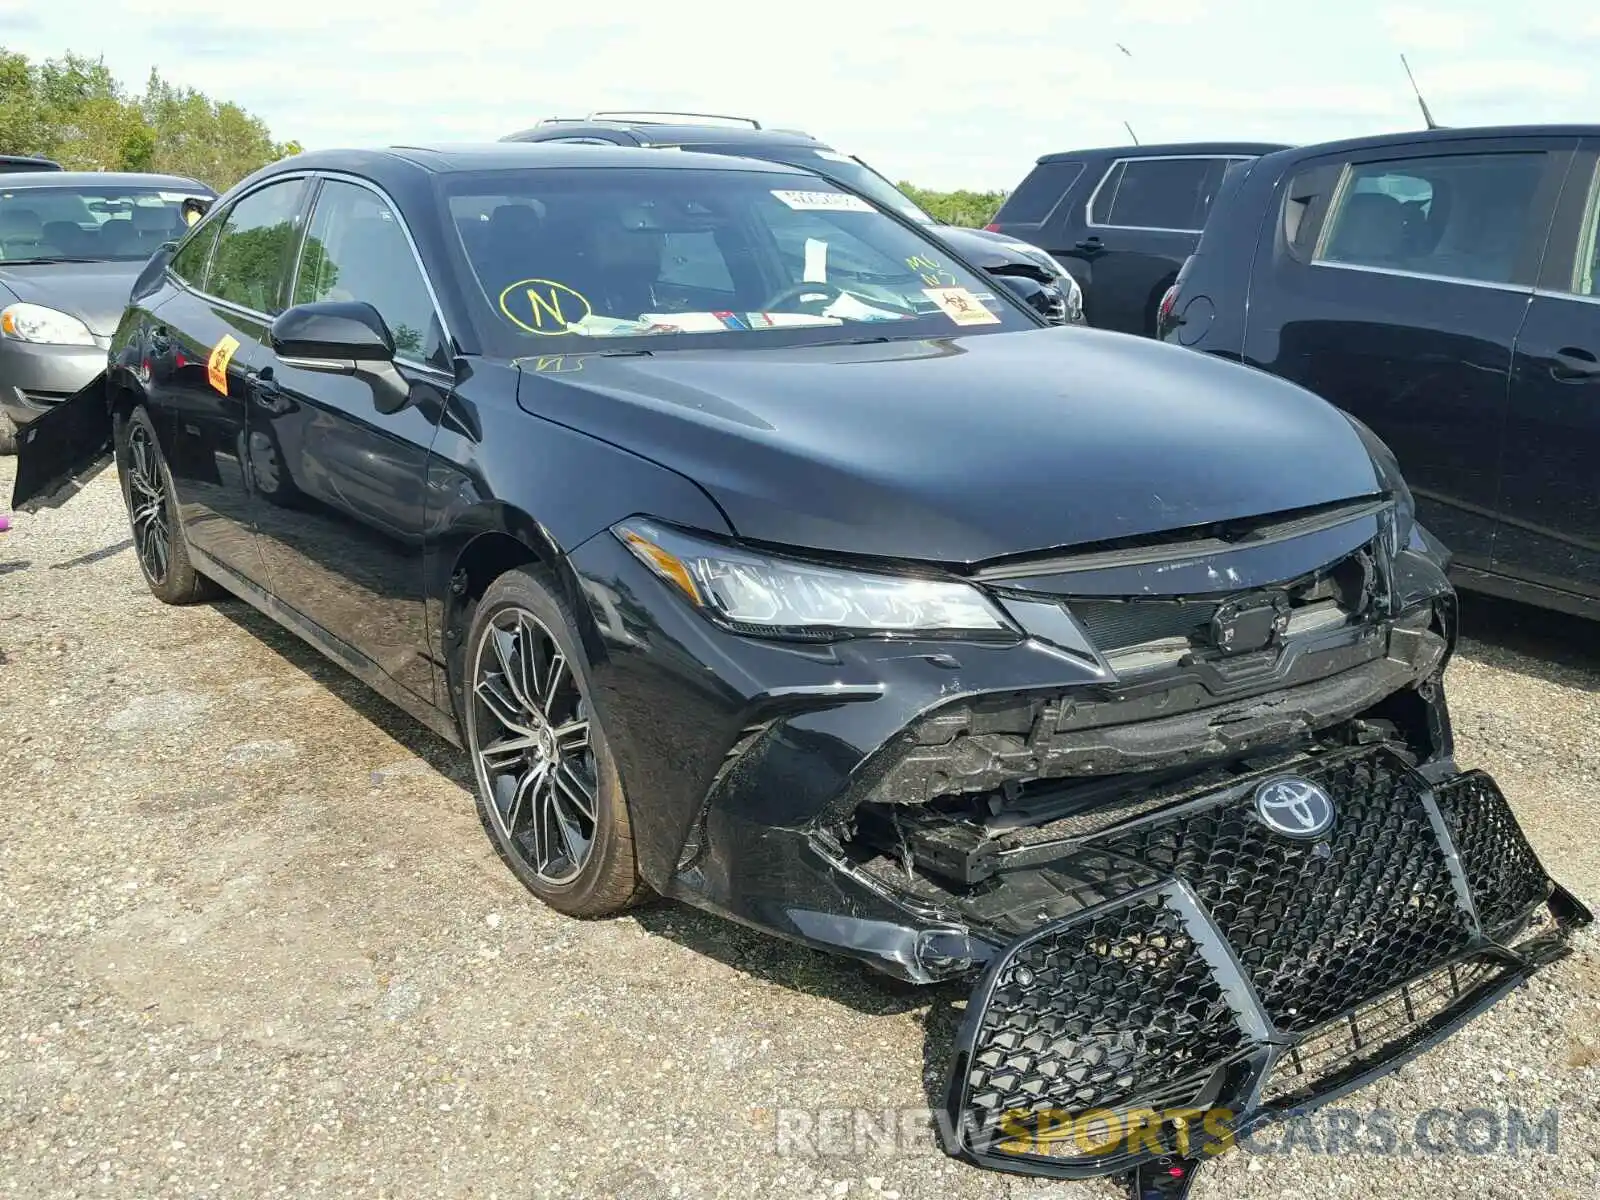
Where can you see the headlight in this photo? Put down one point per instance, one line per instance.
(1390, 479)
(36, 323)
(1063, 277)
(764, 596)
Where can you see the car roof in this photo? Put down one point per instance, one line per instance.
(22, 179)
(450, 158)
(669, 133)
(1167, 149)
(1377, 141)
(49, 163)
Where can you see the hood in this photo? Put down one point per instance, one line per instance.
(990, 251)
(966, 449)
(94, 292)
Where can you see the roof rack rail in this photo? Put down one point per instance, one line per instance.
(649, 118)
(562, 120)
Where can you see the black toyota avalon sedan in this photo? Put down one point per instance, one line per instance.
(752, 569)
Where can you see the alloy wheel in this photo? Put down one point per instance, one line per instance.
(529, 734)
(147, 505)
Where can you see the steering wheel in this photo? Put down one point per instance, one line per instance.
(830, 292)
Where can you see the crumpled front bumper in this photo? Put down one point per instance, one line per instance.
(1219, 974)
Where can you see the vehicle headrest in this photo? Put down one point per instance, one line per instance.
(514, 221)
(1372, 226)
(19, 221)
(147, 217)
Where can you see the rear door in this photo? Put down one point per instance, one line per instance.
(341, 482)
(1549, 531)
(1393, 282)
(1140, 223)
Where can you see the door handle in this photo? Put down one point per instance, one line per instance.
(1092, 242)
(1574, 364)
(266, 392)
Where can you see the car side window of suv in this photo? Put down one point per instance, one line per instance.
(193, 259)
(357, 249)
(252, 255)
(1156, 193)
(1461, 216)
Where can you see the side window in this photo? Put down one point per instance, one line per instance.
(1586, 268)
(251, 260)
(356, 249)
(1305, 206)
(191, 262)
(1456, 216)
(1037, 195)
(694, 260)
(1156, 193)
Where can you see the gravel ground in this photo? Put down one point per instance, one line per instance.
(254, 943)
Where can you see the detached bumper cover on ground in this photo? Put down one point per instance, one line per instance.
(1218, 967)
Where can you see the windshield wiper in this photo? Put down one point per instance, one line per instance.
(48, 259)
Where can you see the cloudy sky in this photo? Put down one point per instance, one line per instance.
(931, 91)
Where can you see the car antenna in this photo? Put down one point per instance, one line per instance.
(1426, 115)
(1131, 133)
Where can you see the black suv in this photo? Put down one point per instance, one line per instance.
(1121, 219)
(1444, 288)
(1039, 279)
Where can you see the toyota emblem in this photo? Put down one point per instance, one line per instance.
(1294, 807)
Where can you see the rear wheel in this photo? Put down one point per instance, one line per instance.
(548, 793)
(158, 540)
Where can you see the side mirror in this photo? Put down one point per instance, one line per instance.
(194, 208)
(332, 335)
(342, 337)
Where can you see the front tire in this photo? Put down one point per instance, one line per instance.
(158, 540)
(548, 792)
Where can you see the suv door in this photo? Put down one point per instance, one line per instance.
(339, 469)
(1392, 282)
(200, 342)
(1549, 531)
(1140, 223)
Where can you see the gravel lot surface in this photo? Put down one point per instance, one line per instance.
(254, 943)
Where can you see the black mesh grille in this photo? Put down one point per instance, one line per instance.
(1116, 1009)
(1320, 926)
(1117, 624)
(1373, 1033)
(1503, 873)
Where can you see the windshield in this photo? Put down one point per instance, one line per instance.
(855, 175)
(664, 254)
(88, 222)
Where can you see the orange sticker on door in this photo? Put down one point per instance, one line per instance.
(961, 306)
(217, 365)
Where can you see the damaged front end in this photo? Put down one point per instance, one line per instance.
(1079, 816)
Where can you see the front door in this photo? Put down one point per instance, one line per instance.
(1549, 530)
(1392, 282)
(341, 484)
(201, 341)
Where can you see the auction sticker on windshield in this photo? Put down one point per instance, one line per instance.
(823, 201)
(961, 306)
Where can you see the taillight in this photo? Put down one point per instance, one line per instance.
(991, 227)
(1168, 301)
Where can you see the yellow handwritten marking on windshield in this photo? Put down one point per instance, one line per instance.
(543, 306)
(932, 271)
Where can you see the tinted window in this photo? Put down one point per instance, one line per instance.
(1305, 204)
(1459, 216)
(190, 263)
(1157, 193)
(1586, 269)
(356, 249)
(1037, 195)
(662, 253)
(252, 254)
(100, 222)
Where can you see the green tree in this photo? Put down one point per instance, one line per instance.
(957, 208)
(74, 110)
